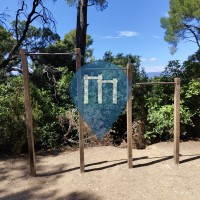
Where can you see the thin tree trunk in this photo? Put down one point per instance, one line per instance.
(78, 28)
(81, 27)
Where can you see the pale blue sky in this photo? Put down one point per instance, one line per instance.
(129, 26)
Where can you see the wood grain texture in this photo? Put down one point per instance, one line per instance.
(81, 136)
(176, 120)
(28, 111)
(129, 117)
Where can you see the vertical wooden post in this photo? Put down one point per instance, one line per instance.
(28, 111)
(176, 119)
(81, 136)
(129, 116)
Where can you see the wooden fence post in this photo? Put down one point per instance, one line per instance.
(79, 88)
(129, 116)
(176, 119)
(28, 111)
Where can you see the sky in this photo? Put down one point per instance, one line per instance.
(128, 27)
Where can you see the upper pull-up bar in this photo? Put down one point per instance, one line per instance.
(102, 68)
(49, 54)
(151, 83)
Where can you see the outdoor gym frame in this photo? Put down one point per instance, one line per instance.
(176, 84)
(29, 117)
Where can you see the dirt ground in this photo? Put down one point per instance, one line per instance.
(153, 176)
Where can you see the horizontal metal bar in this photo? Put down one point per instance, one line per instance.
(38, 54)
(150, 83)
(102, 68)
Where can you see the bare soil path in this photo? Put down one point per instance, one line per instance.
(107, 177)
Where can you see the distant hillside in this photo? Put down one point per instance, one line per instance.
(153, 74)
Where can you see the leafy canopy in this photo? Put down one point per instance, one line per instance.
(183, 22)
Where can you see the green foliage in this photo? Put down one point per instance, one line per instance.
(46, 127)
(62, 88)
(191, 68)
(139, 94)
(160, 101)
(183, 22)
(36, 38)
(12, 125)
(6, 42)
(67, 45)
(161, 122)
(54, 116)
(193, 89)
(50, 118)
(173, 70)
(192, 96)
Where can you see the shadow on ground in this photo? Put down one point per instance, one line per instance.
(37, 193)
(62, 168)
(161, 159)
(80, 196)
(196, 157)
(117, 163)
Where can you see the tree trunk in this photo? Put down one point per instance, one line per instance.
(81, 29)
(78, 28)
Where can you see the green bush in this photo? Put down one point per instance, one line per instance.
(12, 118)
(161, 122)
(49, 128)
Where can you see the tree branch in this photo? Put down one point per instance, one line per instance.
(3, 19)
(44, 14)
(193, 33)
(17, 19)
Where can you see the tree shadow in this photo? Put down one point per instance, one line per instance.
(32, 193)
(8, 166)
(55, 152)
(3, 174)
(38, 193)
(80, 196)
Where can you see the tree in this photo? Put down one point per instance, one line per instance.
(183, 22)
(35, 40)
(68, 44)
(161, 97)
(173, 70)
(81, 23)
(37, 11)
(192, 67)
(6, 41)
(191, 81)
(47, 70)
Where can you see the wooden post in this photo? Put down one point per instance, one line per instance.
(129, 116)
(176, 119)
(28, 111)
(81, 136)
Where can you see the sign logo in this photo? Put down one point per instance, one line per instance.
(100, 80)
(100, 91)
